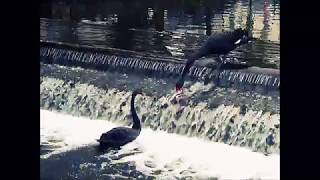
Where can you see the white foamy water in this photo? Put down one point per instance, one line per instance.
(169, 154)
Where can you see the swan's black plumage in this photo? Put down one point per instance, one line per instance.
(218, 44)
(120, 136)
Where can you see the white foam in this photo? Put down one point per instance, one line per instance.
(73, 131)
(163, 150)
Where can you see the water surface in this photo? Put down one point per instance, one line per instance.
(165, 28)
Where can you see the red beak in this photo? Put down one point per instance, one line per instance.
(178, 88)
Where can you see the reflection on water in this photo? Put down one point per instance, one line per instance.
(170, 28)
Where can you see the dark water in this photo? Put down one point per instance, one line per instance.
(165, 28)
(87, 163)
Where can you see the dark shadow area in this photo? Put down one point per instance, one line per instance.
(87, 163)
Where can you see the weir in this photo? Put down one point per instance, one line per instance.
(256, 129)
(229, 115)
(116, 59)
(94, 55)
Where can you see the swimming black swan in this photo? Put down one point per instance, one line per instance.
(219, 44)
(120, 136)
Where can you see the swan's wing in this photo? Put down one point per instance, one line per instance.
(116, 134)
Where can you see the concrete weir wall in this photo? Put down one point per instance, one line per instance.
(109, 58)
(257, 130)
(257, 127)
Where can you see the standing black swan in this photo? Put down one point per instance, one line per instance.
(219, 44)
(120, 136)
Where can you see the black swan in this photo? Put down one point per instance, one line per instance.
(218, 44)
(120, 136)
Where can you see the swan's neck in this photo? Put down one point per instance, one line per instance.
(135, 118)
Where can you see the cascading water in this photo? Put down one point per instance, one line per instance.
(154, 155)
(243, 112)
(224, 124)
(66, 54)
(220, 118)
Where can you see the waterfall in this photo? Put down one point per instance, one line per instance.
(256, 129)
(71, 55)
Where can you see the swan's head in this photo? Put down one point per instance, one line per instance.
(241, 33)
